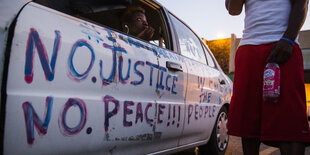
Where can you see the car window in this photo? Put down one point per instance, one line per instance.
(189, 43)
(209, 57)
(109, 13)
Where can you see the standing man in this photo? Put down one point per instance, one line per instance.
(270, 35)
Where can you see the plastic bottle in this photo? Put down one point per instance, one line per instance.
(271, 85)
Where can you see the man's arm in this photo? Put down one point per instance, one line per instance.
(297, 18)
(234, 7)
(282, 51)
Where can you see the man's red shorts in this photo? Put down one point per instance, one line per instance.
(249, 116)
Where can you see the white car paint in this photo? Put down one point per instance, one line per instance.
(74, 87)
(8, 12)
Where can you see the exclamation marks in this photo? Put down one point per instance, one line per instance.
(174, 111)
(179, 116)
(173, 115)
(168, 123)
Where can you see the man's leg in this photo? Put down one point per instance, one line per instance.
(292, 148)
(250, 146)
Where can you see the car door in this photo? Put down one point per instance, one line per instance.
(75, 87)
(203, 97)
(171, 89)
(170, 83)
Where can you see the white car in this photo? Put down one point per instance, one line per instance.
(73, 83)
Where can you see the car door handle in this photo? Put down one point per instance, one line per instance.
(222, 82)
(174, 66)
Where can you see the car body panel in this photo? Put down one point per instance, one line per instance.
(8, 14)
(76, 87)
(91, 64)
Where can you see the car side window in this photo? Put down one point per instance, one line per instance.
(209, 57)
(110, 14)
(189, 43)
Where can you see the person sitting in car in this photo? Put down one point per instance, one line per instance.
(134, 22)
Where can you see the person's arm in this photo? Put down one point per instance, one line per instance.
(282, 51)
(234, 7)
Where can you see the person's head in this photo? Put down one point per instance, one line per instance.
(134, 20)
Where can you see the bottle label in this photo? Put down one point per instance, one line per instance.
(269, 73)
(271, 85)
(268, 84)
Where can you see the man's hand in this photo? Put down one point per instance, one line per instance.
(280, 52)
(147, 33)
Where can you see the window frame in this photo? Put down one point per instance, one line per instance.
(177, 38)
(216, 64)
(208, 51)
